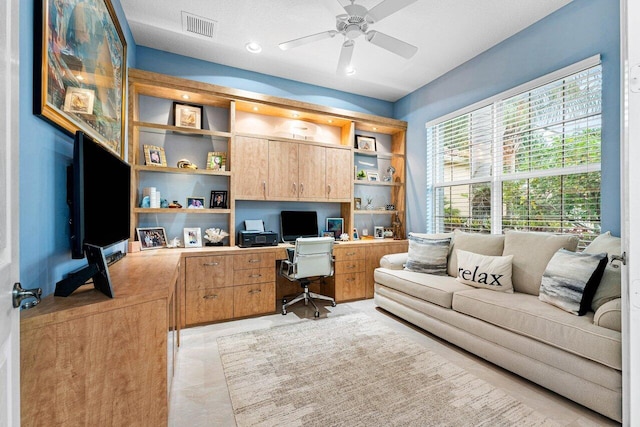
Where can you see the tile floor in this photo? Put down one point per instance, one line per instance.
(199, 395)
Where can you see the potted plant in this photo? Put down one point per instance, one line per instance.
(362, 174)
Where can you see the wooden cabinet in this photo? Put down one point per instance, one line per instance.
(223, 287)
(349, 272)
(91, 360)
(338, 173)
(251, 159)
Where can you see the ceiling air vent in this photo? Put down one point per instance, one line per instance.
(198, 26)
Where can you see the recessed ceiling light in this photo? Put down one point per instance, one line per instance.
(185, 96)
(330, 121)
(375, 128)
(295, 114)
(255, 108)
(253, 47)
(350, 71)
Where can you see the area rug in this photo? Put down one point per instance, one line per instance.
(352, 370)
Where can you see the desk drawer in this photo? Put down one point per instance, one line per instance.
(349, 266)
(349, 286)
(209, 305)
(346, 253)
(249, 300)
(208, 272)
(254, 275)
(254, 260)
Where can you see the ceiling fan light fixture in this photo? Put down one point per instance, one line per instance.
(350, 71)
(253, 47)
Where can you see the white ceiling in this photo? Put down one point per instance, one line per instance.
(446, 32)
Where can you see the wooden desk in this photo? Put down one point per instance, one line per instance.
(91, 360)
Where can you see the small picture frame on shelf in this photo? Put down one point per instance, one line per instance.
(336, 226)
(326, 233)
(354, 234)
(187, 115)
(378, 232)
(357, 203)
(195, 202)
(154, 156)
(217, 161)
(192, 237)
(372, 176)
(218, 200)
(151, 237)
(365, 143)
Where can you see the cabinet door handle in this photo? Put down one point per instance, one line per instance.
(295, 188)
(301, 188)
(329, 189)
(211, 264)
(264, 188)
(253, 261)
(254, 276)
(210, 297)
(255, 291)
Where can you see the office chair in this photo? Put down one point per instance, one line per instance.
(311, 260)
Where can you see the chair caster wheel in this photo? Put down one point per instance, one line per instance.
(316, 314)
(333, 303)
(284, 312)
(284, 301)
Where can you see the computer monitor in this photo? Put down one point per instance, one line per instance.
(294, 224)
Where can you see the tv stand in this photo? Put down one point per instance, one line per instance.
(97, 269)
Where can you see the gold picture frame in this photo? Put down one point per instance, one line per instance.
(91, 66)
(217, 160)
(187, 115)
(154, 156)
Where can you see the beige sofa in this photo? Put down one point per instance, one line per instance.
(578, 357)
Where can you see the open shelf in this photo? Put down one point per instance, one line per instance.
(180, 211)
(187, 171)
(160, 128)
(377, 183)
(375, 212)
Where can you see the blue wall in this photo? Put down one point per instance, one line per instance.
(45, 153)
(194, 69)
(577, 31)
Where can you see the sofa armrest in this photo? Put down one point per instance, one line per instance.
(394, 261)
(609, 315)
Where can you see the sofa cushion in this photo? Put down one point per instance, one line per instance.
(478, 243)
(428, 255)
(483, 271)
(609, 287)
(434, 289)
(528, 316)
(531, 253)
(570, 280)
(609, 315)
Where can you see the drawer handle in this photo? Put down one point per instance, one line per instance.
(351, 266)
(255, 291)
(253, 276)
(211, 264)
(253, 261)
(210, 297)
(351, 253)
(351, 279)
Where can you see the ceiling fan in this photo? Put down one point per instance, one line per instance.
(355, 23)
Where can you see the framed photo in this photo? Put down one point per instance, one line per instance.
(378, 232)
(218, 200)
(81, 55)
(326, 233)
(79, 101)
(357, 203)
(336, 226)
(217, 160)
(365, 143)
(187, 116)
(354, 234)
(192, 237)
(372, 176)
(154, 156)
(195, 202)
(151, 237)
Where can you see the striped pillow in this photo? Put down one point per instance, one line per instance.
(428, 255)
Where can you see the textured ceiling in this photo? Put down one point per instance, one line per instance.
(446, 32)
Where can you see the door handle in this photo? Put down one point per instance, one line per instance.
(20, 294)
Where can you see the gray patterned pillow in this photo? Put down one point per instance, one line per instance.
(428, 255)
(571, 279)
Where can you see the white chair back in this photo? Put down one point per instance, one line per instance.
(313, 257)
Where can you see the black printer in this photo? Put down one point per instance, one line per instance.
(253, 238)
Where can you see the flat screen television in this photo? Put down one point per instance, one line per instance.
(294, 224)
(98, 194)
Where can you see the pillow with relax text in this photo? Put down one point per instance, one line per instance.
(571, 279)
(485, 271)
(428, 255)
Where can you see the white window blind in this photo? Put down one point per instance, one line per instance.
(528, 159)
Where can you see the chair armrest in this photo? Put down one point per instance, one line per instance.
(394, 261)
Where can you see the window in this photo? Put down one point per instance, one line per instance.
(527, 159)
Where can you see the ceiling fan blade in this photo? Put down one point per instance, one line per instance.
(392, 44)
(386, 8)
(345, 56)
(307, 39)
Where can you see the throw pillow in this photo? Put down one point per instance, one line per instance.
(428, 255)
(478, 243)
(570, 280)
(609, 287)
(484, 271)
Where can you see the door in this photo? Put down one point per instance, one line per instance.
(283, 170)
(250, 168)
(630, 153)
(311, 172)
(339, 173)
(9, 317)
